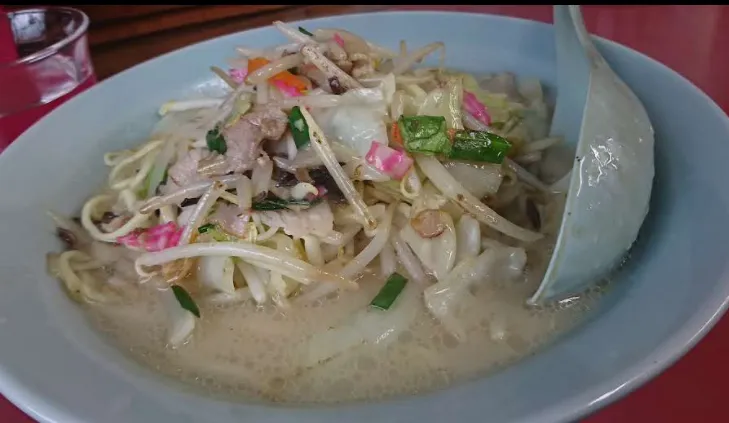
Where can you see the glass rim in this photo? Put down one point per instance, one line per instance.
(57, 46)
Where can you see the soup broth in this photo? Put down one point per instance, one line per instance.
(244, 351)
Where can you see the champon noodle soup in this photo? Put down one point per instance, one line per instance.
(341, 225)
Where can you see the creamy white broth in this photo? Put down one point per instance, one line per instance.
(243, 351)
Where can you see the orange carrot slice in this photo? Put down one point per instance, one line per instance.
(285, 77)
(396, 136)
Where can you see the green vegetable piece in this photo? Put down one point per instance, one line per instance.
(221, 236)
(215, 232)
(185, 300)
(275, 203)
(424, 134)
(299, 128)
(304, 31)
(216, 141)
(269, 205)
(479, 146)
(389, 292)
(144, 190)
(205, 228)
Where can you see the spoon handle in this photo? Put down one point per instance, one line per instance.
(573, 81)
(593, 55)
(597, 62)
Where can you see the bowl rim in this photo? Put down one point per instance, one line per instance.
(597, 396)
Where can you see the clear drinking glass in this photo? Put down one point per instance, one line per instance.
(52, 64)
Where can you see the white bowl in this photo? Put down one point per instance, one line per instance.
(57, 369)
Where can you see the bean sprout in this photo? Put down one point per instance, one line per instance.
(265, 257)
(324, 151)
(406, 62)
(410, 185)
(443, 180)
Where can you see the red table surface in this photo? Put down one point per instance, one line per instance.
(693, 40)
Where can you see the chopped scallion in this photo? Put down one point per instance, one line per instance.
(428, 135)
(185, 300)
(216, 141)
(299, 128)
(205, 228)
(389, 292)
(304, 31)
(272, 202)
(479, 146)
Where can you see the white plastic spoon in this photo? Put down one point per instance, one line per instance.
(609, 139)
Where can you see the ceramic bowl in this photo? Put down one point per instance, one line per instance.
(55, 367)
